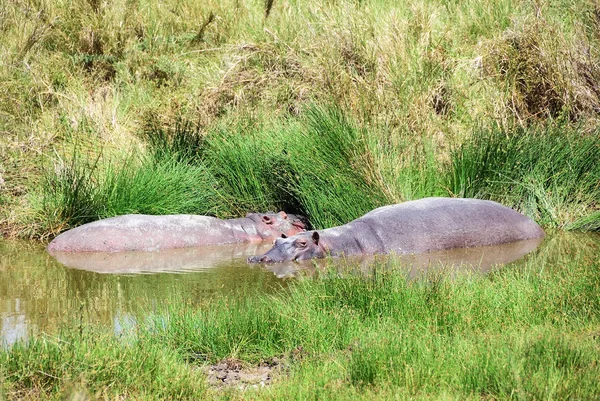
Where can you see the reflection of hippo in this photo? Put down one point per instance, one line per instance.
(180, 260)
(481, 259)
(136, 232)
(411, 227)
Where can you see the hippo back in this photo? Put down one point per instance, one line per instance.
(444, 223)
(137, 232)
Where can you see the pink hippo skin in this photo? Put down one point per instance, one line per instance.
(138, 232)
(419, 226)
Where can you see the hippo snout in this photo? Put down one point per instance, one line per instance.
(260, 259)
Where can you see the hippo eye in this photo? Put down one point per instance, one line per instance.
(301, 243)
(267, 219)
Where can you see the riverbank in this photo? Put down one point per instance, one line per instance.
(327, 110)
(321, 165)
(528, 331)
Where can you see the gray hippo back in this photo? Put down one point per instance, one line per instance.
(412, 227)
(138, 232)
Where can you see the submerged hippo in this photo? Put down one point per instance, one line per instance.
(412, 227)
(138, 232)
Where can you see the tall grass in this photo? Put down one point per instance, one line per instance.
(526, 331)
(408, 72)
(328, 167)
(551, 174)
(77, 191)
(317, 165)
(313, 166)
(242, 160)
(409, 168)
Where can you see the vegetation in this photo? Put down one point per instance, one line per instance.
(327, 109)
(321, 165)
(527, 331)
(550, 174)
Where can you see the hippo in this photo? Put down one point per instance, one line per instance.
(138, 232)
(419, 226)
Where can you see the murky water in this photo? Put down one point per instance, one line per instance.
(39, 292)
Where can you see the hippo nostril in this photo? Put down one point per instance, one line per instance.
(259, 259)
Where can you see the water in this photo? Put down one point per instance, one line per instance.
(39, 293)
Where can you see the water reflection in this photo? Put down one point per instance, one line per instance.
(476, 260)
(171, 260)
(14, 328)
(480, 259)
(38, 293)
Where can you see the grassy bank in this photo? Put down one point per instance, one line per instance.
(522, 332)
(325, 166)
(417, 87)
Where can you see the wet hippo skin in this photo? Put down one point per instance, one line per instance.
(137, 232)
(419, 226)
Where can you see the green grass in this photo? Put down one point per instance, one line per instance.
(77, 191)
(75, 363)
(313, 166)
(328, 167)
(527, 331)
(409, 80)
(552, 174)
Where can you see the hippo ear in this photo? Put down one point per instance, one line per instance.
(283, 236)
(283, 215)
(315, 237)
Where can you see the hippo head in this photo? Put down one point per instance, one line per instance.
(272, 225)
(299, 247)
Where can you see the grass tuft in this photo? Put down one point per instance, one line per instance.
(551, 174)
(78, 192)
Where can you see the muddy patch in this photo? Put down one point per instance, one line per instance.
(234, 373)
